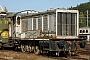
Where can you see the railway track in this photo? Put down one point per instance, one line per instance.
(16, 55)
(78, 57)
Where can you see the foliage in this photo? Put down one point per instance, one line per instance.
(82, 20)
(5, 9)
(83, 13)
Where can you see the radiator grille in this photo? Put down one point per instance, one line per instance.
(66, 24)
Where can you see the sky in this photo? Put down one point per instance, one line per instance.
(38, 5)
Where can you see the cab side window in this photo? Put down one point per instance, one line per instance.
(18, 20)
(80, 31)
(86, 31)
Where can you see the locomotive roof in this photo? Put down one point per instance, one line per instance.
(28, 14)
(49, 12)
(22, 13)
(40, 13)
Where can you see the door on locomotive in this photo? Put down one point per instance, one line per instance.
(16, 27)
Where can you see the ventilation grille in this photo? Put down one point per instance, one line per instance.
(34, 23)
(40, 23)
(66, 24)
(45, 23)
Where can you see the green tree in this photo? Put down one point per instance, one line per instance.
(83, 7)
(5, 9)
(82, 20)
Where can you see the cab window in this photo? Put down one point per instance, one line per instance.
(18, 20)
(83, 31)
(86, 31)
(80, 31)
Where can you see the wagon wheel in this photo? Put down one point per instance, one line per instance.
(36, 50)
(23, 48)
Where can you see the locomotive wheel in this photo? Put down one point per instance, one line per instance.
(57, 54)
(23, 49)
(27, 48)
(37, 51)
(30, 49)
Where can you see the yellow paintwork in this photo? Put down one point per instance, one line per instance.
(4, 34)
(0, 31)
